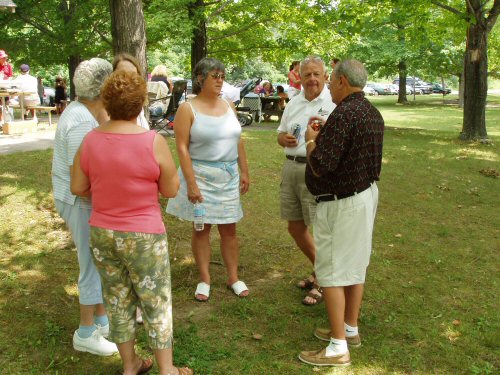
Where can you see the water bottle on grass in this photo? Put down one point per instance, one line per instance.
(198, 217)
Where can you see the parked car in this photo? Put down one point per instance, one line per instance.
(438, 89)
(420, 86)
(49, 93)
(369, 91)
(379, 88)
(393, 89)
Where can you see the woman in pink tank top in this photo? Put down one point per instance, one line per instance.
(123, 167)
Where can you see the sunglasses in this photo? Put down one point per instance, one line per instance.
(218, 75)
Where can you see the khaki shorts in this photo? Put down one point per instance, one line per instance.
(343, 236)
(297, 203)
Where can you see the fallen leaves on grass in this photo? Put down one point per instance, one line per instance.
(490, 172)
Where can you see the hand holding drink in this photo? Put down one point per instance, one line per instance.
(316, 123)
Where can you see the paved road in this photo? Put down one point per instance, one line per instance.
(40, 140)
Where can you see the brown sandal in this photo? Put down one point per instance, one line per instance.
(146, 366)
(317, 297)
(308, 282)
(185, 371)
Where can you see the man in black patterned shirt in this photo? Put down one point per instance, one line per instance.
(344, 161)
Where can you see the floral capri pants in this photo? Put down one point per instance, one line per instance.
(134, 269)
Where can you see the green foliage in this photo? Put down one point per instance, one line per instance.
(46, 33)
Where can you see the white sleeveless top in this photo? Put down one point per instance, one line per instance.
(214, 138)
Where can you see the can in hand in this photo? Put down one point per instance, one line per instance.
(316, 124)
(296, 131)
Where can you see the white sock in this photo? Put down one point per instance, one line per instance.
(350, 331)
(336, 348)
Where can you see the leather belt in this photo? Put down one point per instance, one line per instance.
(298, 159)
(336, 197)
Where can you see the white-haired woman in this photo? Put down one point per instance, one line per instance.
(210, 151)
(79, 118)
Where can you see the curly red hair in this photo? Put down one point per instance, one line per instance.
(123, 95)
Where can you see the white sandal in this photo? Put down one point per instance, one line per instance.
(239, 287)
(203, 289)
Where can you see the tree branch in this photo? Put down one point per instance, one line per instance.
(493, 15)
(242, 30)
(247, 48)
(219, 9)
(447, 7)
(37, 26)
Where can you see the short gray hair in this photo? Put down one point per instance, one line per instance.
(90, 76)
(353, 70)
(312, 60)
(203, 67)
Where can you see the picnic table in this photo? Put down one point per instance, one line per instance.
(270, 106)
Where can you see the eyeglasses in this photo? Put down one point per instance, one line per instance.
(218, 75)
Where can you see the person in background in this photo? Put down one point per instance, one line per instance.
(160, 73)
(296, 203)
(266, 89)
(5, 74)
(40, 89)
(294, 79)
(210, 149)
(5, 66)
(280, 91)
(344, 161)
(78, 119)
(127, 62)
(334, 62)
(128, 238)
(61, 95)
(28, 84)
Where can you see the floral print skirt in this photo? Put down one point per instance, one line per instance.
(135, 271)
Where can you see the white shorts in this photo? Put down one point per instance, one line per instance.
(343, 235)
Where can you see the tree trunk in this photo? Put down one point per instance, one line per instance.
(475, 82)
(128, 30)
(461, 90)
(402, 83)
(199, 41)
(73, 62)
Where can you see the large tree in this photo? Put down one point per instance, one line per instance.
(480, 21)
(128, 30)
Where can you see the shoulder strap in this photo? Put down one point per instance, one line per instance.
(192, 109)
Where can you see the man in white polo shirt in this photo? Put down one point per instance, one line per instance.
(297, 204)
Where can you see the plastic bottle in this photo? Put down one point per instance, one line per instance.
(198, 217)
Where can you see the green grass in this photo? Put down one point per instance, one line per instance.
(431, 302)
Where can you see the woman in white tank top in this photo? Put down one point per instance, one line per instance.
(207, 134)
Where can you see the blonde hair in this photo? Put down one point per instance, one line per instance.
(160, 70)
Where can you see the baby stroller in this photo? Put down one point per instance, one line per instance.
(164, 120)
(244, 114)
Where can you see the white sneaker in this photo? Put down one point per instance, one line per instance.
(95, 344)
(103, 330)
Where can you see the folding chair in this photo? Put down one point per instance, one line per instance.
(252, 101)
